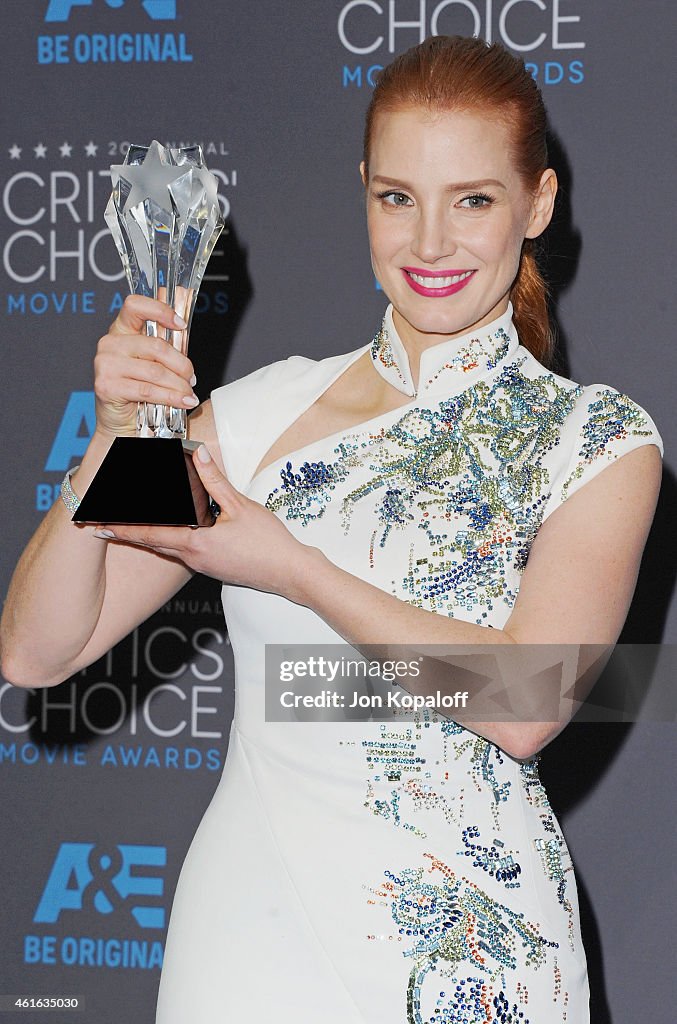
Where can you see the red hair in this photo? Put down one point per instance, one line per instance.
(466, 73)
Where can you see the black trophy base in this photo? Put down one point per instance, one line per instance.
(147, 481)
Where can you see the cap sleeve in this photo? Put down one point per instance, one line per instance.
(604, 425)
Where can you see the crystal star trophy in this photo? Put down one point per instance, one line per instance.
(165, 218)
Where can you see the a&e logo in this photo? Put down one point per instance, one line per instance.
(85, 877)
(150, 45)
(158, 10)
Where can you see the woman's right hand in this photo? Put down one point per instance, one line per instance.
(130, 367)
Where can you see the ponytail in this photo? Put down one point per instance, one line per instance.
(529, 297)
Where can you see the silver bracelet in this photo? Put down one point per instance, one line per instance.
(68, 495)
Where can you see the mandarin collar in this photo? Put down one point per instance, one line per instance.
(450, 366)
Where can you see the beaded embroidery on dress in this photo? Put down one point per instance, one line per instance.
(407, 872)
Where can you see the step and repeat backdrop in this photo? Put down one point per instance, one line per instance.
(104, 778)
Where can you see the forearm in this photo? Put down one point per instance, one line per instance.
(375, 622)
(73, 595)
(57, 590)
(365, 615)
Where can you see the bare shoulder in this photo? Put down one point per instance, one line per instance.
(583, 564)
(631, 482)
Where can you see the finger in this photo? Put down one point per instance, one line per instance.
(141, 346)
(165, 372)
(119, 377)
(137, 360)
(218, 486)
(163, 539)
(183, 301)
(137, 309)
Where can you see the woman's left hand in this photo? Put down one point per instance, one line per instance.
(247, 545)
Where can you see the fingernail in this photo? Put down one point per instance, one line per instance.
(191, 400)
(104, 534)
(203, 454)
(193, 381)
(180, 322)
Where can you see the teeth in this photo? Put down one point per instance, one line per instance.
(439, 282)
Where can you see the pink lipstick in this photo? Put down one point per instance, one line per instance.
(425, 282)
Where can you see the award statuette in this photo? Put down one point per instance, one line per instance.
(165, 218)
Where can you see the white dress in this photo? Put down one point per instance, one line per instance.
(392, 872)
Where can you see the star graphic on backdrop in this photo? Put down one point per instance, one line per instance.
(65, 149)
(40, 151)
(91, 148)
(15, 152)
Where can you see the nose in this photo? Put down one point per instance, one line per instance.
(432, 240)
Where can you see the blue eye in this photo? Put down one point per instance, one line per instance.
(394, 198)
(477, 201)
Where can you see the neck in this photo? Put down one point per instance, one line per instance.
(416, 342)
(413, 361)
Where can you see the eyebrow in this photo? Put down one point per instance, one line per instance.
(455, 186)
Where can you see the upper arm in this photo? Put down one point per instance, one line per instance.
(583, 564)
(139, 581)
(202, 427)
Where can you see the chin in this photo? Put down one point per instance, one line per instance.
(453, 315)
(442, 321)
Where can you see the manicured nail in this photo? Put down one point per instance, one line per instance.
(191, 400)
(180, 322)
(203, 454)
(193, 381)
(104, 534)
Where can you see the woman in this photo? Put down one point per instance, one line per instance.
(436, 486)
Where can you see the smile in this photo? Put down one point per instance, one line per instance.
(438, 283)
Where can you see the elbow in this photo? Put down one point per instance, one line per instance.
(21, 664)
(524, 741)
(13, 673)
(9, 669)
(20, 673)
